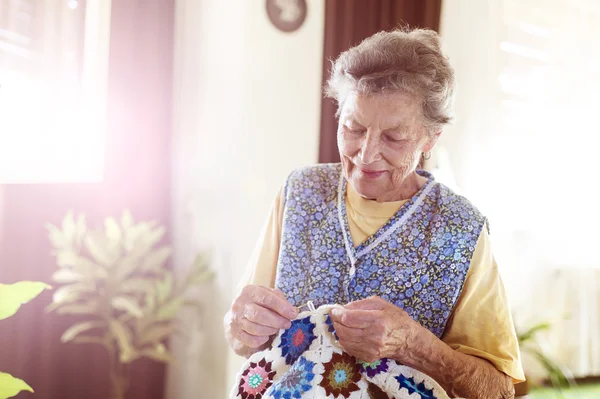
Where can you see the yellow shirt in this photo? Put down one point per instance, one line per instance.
(481, 323)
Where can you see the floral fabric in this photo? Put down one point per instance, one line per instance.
(320, 369)
(418, 260)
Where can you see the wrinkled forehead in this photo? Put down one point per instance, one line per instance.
(383, 110)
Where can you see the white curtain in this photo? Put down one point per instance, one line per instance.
(524, 143)
(576, 339)
(53, 67)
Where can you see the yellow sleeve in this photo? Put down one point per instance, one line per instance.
(481, 324)
(262, 268)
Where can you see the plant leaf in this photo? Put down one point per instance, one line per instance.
(126, 220)
(193, 304)
(112, 230)
(70, 294)
(90, 307)
(169, 309)
(154, 235)
(200, 272)
(71, 259)
(128, 264)
(128, 305)
(84, 339)
(67, 258)
(164, 287)
(56, 237)
(77, 328)
(142, 237)
(159, 353)
(124, 338)
(80, 231)
(11, 386)
(137, 285)
(155, 260)
(150, 300)
(146, 237)
(12, 296)
(69, 228)
(202, 276)
(156, 334)
(529, 334)
(66, 276)
(90, 269)
(97, 246)
(556, 374)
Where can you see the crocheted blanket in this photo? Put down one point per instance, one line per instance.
(306, 362)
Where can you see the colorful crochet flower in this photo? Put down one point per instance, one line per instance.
(295, 382)
(372, 369)
(330, 327)
(256, 379)
(412, 387)
(297, 339)
(341, 375)
(375, 392)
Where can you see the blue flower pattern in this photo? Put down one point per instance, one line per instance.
(412, 387)
(330, 327)
(420, 267)
(296, 381)
(297, 339)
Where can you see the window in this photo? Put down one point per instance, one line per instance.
(53, 58)
(524, 150)
(526, 135)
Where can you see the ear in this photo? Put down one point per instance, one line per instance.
(430, 143)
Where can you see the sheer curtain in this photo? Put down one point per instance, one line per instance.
(52, 89)
(523, 146)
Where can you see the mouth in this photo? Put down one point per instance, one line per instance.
(371, 174)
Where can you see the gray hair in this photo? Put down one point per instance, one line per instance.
(409, 61)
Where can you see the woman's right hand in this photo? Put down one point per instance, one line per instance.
(256, 315)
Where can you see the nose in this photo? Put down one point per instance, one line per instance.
(370, 150)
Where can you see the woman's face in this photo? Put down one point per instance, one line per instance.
(381, 138)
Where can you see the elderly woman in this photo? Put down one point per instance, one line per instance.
(409, 259)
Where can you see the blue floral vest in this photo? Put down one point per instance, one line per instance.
(418, 260)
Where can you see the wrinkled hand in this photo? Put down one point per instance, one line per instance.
(372, 329)
(256, 315)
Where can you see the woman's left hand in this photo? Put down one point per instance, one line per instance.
(373, 329)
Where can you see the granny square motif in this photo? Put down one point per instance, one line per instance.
(306, 362)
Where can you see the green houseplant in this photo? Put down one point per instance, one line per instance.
(558, 375)
(116, 280)
(12, 296)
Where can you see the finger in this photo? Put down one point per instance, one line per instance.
(267, 299)
(354, 318)
(279, 293)
(371, 303)
(256, 329)
(251, 341)
(265, 317)
(348, 334)
(357, 350)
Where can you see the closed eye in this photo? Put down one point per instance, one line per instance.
(394, 140)
(354, 131)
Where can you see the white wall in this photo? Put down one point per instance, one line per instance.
(247, 112)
